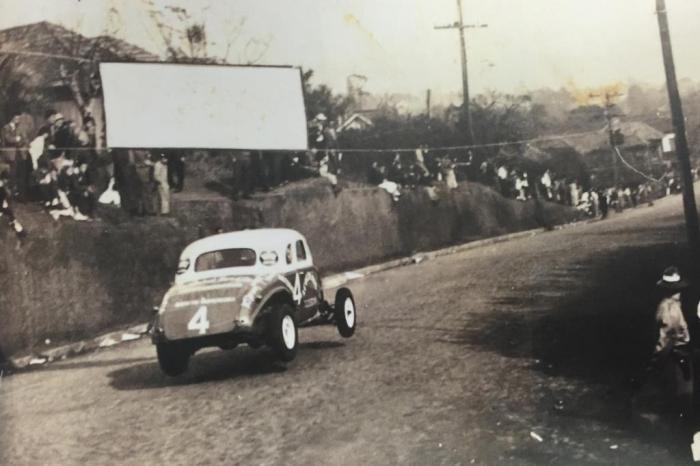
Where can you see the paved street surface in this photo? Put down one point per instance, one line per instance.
(525, 352)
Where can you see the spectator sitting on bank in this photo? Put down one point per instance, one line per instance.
(392, 188)
(110, 196)
(45, 180)
(65, 187)
(84, 190)
(326, 170)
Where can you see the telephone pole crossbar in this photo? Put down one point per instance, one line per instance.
(460, 26)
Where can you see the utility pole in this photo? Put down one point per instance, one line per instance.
(463, 56)
(612, 137)
(611, 133)
(691, 213)
(427, 103)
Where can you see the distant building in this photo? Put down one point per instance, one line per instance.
(356, 121)
(640, 147)
(47, 57)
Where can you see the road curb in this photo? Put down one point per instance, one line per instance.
(336, 280)
(42, 357)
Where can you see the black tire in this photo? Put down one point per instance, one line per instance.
(282, 332)
(345, 313)
(173, 358)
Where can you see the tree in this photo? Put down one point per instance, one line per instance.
(321, 99)
(186, 39)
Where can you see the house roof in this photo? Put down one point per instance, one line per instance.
(636, 133)
(42, 49)
(352, 119)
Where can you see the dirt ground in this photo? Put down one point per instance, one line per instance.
(526, 352)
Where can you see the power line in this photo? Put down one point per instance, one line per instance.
(562, 137)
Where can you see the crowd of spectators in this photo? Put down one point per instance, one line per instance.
(58, 167)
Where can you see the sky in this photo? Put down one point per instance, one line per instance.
(528, 44)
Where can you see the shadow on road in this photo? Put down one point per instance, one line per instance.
(593, 322)
(62, 366)
(211, 366)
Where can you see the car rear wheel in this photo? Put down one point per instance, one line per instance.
(345, 312)
(283, 336)
(173, 358)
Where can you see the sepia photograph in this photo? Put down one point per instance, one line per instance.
(349, 232)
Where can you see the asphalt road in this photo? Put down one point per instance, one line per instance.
(523, 352)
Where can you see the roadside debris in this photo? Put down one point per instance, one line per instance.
(536, 436)
(37, 361)
(107, 342)
(614, 447)
(130, 336)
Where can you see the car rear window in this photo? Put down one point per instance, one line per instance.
(225, 258)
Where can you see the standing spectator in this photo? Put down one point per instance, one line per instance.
(546, 181)
(449, 174)
(420, 161)
(176, 171)
(595, 203)
(332, 157)
(603, 200)
(375, 176)
(146, 202)
(61, 137)
(160, 175)
(37, 147)
(13, 139)
(503, 183)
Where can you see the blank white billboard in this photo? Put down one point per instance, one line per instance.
(166, 105)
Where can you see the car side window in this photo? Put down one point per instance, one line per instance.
(288, 254)
(301, 251)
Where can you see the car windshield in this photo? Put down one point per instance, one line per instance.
(225, 258)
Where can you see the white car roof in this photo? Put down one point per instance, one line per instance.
(257, 239)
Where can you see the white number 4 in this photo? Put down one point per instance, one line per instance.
(297, 294)
(199, 321)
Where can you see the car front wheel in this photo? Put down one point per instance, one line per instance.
(283, 336)
(172, 358)
(345, 312)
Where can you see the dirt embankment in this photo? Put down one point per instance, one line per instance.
(70, 280)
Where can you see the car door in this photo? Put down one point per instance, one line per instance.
(306, 290)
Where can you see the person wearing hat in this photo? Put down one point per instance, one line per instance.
(671, 322)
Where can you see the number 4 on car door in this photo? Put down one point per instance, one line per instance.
(199, 321)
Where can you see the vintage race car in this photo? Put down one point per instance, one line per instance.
(253, 286)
